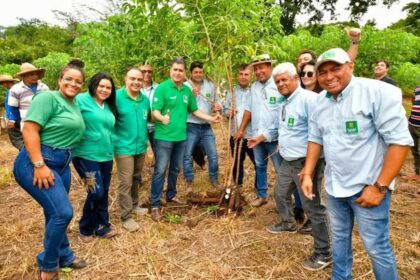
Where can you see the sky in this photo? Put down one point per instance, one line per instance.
(42, 9)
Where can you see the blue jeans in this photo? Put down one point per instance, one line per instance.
(200, 134)
(55, 201)
(261, 152)
(95, 217)
(167, 153)
(373, 224)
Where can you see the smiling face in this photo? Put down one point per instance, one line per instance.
(103, 91)
(286, 84)
(335, 77)
(71, 83)
(133, 81)
(381, 69)
(147, 71)
(308, 76)
(244, 77)
(263, 71)
(30, 78)
(177, 73)
(197, 75)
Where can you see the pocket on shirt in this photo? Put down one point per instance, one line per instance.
(357, 128)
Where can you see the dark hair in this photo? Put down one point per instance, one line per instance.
(196, 64)
(179, 60)
(309, 52)
(384, 61)
(77, 62)
(312, 62)
(243, 66)
(71, 67)
(93, 86)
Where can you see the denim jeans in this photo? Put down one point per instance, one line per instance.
(168, 153)
(95, 217)
(261, 152)
(55, 202)
(288, 181)
(200, 134)
(238, 166)
(373, 224)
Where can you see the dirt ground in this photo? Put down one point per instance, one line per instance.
(225, 247)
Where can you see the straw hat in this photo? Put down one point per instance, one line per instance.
(7, 78)
(26, 68)
(263, 58)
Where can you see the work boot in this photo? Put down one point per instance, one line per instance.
(156, 215)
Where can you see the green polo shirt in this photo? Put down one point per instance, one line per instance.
(131, 127)
(98, 140)
(61, 121)
(179, 102)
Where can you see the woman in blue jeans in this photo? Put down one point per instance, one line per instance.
(93, 156)
(53, 126)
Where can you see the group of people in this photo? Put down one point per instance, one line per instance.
(313, 121)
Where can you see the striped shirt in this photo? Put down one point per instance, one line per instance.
(414, 119)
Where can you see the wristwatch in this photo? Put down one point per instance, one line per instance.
(383, 189)
(39, 164)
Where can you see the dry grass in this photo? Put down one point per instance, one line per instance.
(216, 248)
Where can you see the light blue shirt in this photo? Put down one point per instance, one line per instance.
(149, 92)
(355, 131)
(204, 101)
(264, 106)
(241, 97)
(294, 123)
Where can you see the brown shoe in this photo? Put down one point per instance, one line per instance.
(109, 234)
(156, 215)
(258, 202)
(176, 200)
(217, 186)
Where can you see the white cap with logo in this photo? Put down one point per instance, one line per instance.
(335, 55)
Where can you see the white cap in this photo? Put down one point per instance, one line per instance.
(336, 55)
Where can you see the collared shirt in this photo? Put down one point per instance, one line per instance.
(204, 101)
(355, 131)
(294, 123)
(149, 92)
(264, 106)
(241, 96)
(21, 96)
(12, 113)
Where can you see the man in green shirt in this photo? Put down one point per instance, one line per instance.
(171, 103)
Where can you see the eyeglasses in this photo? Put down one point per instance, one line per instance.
(308, 74)
(146, 71)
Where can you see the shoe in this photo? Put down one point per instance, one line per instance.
(306, 228)
(189, 187)
(55, 277)
(299, 215)
(130, 225)
(78, 264)
(317, 262)
(176, 200)
(109, 234)
(139, 211)
(217, 186)
(282, 228)
(258, 202)
(86, 238)
(156, 215)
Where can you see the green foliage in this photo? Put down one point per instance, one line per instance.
(172, 218)
(412, 22)
(10, 69)
(408, 77)
(53, 63)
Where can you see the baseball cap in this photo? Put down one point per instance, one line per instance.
(336, 55)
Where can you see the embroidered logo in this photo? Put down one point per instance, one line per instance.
(208, 95)
(291, 122)
(351, 127)
(145, 113)
(185, 99)
(272, 100)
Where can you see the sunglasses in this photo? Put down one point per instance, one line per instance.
(308, 74)
(147, 71)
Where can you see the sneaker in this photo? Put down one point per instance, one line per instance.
(130, 225)
(109, 234)
(258, 202)
(156, 215)
(317, 262)
(282, 228)
(139, 211)
(306, 228)
(299, 215)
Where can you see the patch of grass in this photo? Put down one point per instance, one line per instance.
(6, 177)
(172, 218)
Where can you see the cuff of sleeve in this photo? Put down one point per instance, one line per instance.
(402, 139)
(317, 140)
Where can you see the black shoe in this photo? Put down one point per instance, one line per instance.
(317, 262)
(299, 215)
(282, 228)
(306, 228)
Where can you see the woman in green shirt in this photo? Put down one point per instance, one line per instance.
(52, 127)
(93, 156)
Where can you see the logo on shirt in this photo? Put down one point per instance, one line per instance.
(291, 122)
(155, 99)
(145, 113)
(172, 97)
(208, 95)
(185, 99)
(351, 127)
(272, 100)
